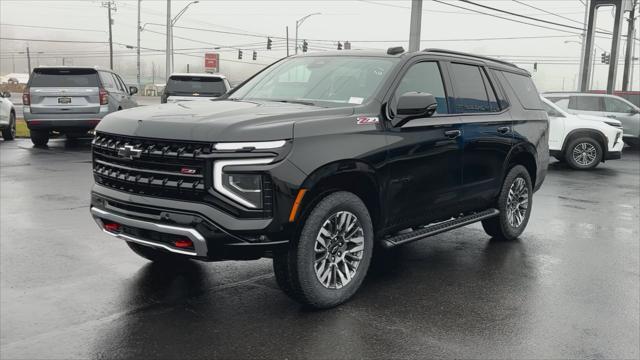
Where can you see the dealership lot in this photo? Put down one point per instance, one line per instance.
(568, 289)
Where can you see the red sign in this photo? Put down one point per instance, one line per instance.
(211, 61)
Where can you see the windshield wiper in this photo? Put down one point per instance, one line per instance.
(301, 102)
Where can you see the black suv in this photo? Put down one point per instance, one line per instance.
(318, 159)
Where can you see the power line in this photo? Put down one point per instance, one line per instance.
(549, 12)
(59, 41)
(53, 28)
(506, 18)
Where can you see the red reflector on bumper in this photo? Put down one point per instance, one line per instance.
(113, 227)
(183, 243)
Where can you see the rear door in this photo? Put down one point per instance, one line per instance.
(64, 90)
(586, 104)
(127, 101)
(196, 86)
(487, 132)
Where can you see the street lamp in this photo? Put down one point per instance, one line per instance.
(173, 22)
(299, 22)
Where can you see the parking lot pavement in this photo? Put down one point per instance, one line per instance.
(569, 288)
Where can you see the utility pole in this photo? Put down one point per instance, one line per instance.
(168, 46)
(28, 60)
(153, 72)
(416, 23)
(628, 59)
(110, 5)
(138, 51)
(287, 41)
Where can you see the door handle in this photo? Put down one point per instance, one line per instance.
(452, 134)
(504, 129)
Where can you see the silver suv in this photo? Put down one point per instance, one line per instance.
(72, 100)
(610, 106)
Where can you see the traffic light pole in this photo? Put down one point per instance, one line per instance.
(628, 59)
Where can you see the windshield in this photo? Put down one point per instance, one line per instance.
(322, 80)
(196, 84)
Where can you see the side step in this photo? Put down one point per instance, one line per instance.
(438, 228)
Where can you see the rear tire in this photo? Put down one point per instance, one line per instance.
(10, 132)
(323, 276)
(583, 153)
(514, 203)
(155, 255)
(40, 137)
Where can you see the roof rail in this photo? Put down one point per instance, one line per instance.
(444, 51)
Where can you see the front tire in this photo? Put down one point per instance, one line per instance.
(10, 132)
(327, 263)
(40, 137)
(583, 153)
(514, 203)
(157, 256)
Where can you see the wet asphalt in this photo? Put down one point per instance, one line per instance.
(569, 288)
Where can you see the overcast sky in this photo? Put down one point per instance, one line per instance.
(366, 24)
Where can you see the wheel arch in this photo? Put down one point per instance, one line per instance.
(355, 176)
(525, 155)
(592, 133)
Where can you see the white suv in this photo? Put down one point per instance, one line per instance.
(582, 143)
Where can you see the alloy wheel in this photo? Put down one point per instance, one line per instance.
(517, 202)
(339, 248)
(584, 154)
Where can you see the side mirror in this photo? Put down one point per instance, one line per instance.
(413, 105)
(6, 94)
(133, 90)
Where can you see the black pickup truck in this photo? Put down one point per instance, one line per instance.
(319, 159)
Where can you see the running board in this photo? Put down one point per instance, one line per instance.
(438, 228)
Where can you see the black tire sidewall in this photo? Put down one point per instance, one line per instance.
(505, 230)
(569, 153)
(312, 291)
(9, 133)
(40, 137)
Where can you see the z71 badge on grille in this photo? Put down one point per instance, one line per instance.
(129, 152)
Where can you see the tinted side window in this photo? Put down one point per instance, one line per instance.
(615, 105)
(525, 90)
(586, 103)
(425, 77)
(470, 89)
(107, 81)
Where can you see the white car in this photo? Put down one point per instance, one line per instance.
(7, 117)
(194, 86)
(583, 143)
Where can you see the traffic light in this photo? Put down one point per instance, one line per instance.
(535, 66)
(603, 58)
(339, 45)
(269, 41)
(255, 55)
(347, 45)
(239, 54)
(305, 46)
(608, 59)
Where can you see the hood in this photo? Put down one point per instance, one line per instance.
(600, 119)
(221, 120)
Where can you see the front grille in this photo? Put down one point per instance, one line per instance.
(163, 168)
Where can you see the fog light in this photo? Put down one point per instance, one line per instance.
(183, 243)
(112, 227)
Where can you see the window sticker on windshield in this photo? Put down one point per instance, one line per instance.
(356, 100)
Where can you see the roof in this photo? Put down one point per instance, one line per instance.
(383, 53)
(220, 76)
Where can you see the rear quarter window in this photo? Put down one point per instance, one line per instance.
(64, 78)
(525, 90)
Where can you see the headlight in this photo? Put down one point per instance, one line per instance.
(244, 188)
(615, 125)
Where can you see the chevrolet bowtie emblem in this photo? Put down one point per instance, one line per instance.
(129, 152)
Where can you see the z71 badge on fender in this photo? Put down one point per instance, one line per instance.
(366, 120)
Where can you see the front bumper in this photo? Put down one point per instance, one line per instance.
(215, 235)
(613, 155)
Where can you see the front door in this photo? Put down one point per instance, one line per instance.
(424, 171)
